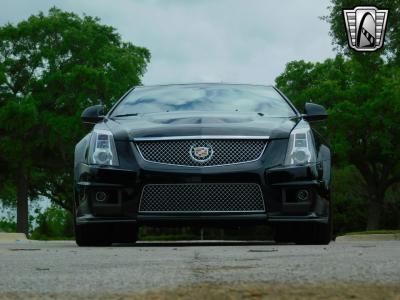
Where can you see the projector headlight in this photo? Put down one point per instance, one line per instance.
(301, 149)
(102, 149)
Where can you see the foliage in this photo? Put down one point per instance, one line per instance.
(348, 198)
(362, 93)
(54, 223)
(52, 67)
(392, 208)
(364, 118)
(7, 192)
(7, 225)
(383, 231)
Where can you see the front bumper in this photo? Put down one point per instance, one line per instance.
(278, 186)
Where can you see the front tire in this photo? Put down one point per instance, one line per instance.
(303, 233)
(308, 233)
(313, 234)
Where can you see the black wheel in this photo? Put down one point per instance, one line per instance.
(309, 233)
(323, 234)
(313, 234)
(93, 235)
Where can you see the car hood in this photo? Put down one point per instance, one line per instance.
(200, 124)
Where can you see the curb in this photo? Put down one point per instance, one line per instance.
(369, 237)
(12, 237)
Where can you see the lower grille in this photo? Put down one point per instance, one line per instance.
(201, 198)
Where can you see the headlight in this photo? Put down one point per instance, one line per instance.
(102, 149)
(301, 148)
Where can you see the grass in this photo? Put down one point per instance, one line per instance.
(42, 237)
(168, 237)
(381, 231)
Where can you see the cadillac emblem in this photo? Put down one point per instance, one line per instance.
(201, 153)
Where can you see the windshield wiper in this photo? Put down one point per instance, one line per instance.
(126, 115)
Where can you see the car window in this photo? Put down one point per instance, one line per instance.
(201, 97)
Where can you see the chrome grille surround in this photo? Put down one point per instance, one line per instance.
(225, 150)
(202, 198)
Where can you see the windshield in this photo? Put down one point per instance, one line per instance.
(204, 97)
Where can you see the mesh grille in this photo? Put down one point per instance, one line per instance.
(244, 197)
(221, 152)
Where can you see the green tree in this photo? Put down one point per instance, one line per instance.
(53, 223)
(51, 67)
(362, 92)
(364, 118)
(348, 199)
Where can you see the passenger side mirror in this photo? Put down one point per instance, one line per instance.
(93, 114)
(314, 112)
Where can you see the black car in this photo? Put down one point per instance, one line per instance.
(204, 154)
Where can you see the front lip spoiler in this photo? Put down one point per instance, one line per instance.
(261, 218)
(309, 218)
(99, 220)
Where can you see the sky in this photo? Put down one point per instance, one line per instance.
(239, 41)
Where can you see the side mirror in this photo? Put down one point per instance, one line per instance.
(93, 114)
(314, 112)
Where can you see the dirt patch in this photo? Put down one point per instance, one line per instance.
(6, 237)
(251, 291)
(369, 237)
(277, 291)
(207, 269)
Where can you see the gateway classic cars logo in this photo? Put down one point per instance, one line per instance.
(365, 27)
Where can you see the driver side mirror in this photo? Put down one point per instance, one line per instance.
(93, 114)
(314, 112)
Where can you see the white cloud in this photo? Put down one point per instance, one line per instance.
(196, 41)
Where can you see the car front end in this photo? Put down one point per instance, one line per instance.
(191, 167)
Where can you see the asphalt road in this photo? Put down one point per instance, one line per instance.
(60, 268)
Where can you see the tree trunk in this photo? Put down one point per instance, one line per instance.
(376, 176)
(374, 214)
(22, 204)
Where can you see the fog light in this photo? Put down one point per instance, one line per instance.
(101, 196)
(303, 195)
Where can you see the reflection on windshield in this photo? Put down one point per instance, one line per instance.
(205, 97)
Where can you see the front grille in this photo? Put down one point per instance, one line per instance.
(202, 198)
(221, 152)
